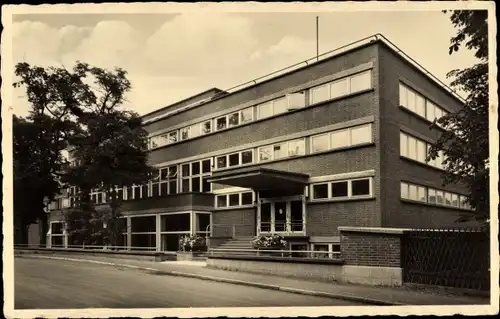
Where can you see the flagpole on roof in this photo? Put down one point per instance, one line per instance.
(317, 38)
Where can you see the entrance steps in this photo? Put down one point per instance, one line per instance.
(235, 245)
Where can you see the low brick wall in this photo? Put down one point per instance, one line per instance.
(133, 255)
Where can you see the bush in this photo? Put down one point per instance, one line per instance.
(271, 241)
(193, 243)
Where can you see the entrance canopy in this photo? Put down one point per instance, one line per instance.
(261, 179)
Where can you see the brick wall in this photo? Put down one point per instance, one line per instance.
(376, 247)
(244, 219)
(394, 169)
(325, 218)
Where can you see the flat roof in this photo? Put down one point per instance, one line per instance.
(376, 38)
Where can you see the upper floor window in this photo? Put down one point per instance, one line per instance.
(432, 196)
(345, 189)
(345, 86)
(282, 150)
(234, 159)
(234, 199)
(342, 138)
(417, 103)
(416, 149)
(194, 176)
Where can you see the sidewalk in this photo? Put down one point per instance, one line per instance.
(358, 293)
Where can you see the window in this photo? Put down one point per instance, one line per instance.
(340, 139)
(447, 199)
(265, 153)
(418, 104)
(194, 176)
(320, 143)
(206, 127)
(172, 137)
(234, 199)
(403, 145)
(421, 150)
(280, 106)
(221, 123)
(439, 197)
(296, 100)
(265, 110)
(361, 134)
(155, 183)
(320, 93)
(296, 147)
(185, 133)
(432, 196)
(339, 88)
(234, 159)
(418, 150)
(454, 200)
(280, 151)
(361, 81)
(421, 194)
(404, 191)
(340, 189)
(234, 119)
(247, 115)
(246, 157)
(320, 191)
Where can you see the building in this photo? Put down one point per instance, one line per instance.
(341, 141)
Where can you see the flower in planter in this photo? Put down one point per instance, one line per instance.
(272, 241)
(193, 243)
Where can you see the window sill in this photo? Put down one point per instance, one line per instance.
(435, 205)
(263, 119)
(233, 207)
(343, 199)
(420, 163)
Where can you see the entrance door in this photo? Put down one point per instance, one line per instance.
(282, 216)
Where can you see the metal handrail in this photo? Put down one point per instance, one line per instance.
(90, 247)
(283, 252)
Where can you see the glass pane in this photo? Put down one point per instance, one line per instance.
(221, 200)
(454, 200)
(421, 194)
(411, 100)
(280, 216)
(222, 161)
(185, 133)
(432, 195)
(296, 215)
(421, 151)
(185, 185)
(143, 224)
(195, 130)
(429, 110)
(164, 189)
(247, 198)
(404, 190)
(403, 96)
(297, 147)
(280, 106)
(185, 170)
(206, 186)
(172, 187)
(265, 110)
(319, 94)
(172, 171)
(420, 105)
(412, 147)
(221, 123)
(206, 127)
(172, 136)
(206, 166)
(280, 151)
(339, 189)
(320, 191)
(320, 143)
(195, 184)
(339, 88)
(413, 192)
(403, 144)
(440, 197)
(176, 222)
(361, 81)
(202, 221)
(247, 115)
(195, 168)
(155, 190)
(57, 228)
(361, 134)
(234, 159)
(246, 157)
(171, 242)
(234, 119)
(447, 199)
(265, 217)
(265, 153)
(143, 240)
(340, 139)
(234, 199)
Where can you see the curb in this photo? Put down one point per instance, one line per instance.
(232, 281)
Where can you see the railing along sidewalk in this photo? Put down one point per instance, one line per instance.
(313, 254)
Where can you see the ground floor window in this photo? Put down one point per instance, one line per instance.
(143, 232)
(57, 234)
(325, 250)
(297, 248)
(171, 242)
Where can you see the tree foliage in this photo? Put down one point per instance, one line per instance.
(465, 141)
(107, 145)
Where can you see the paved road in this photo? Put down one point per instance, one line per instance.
(58, 284)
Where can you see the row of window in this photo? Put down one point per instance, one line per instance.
(418, 150)
(342, 138)
(345, 189)
(234, 199)
(433, 196)
(418, 104)
(324, 92)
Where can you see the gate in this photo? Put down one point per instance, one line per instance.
(447, 257)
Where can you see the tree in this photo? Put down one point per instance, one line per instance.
(108, 144)
(465, 141)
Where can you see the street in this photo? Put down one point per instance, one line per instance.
(60, 284)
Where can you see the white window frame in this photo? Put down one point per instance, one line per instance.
(202, 126)
(251, 111)
(240, 200)
(225, 117)
(191, 176)
(330, 253)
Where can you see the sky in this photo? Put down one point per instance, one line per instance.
(169, 57)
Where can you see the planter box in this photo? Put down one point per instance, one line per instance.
(190, 255)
